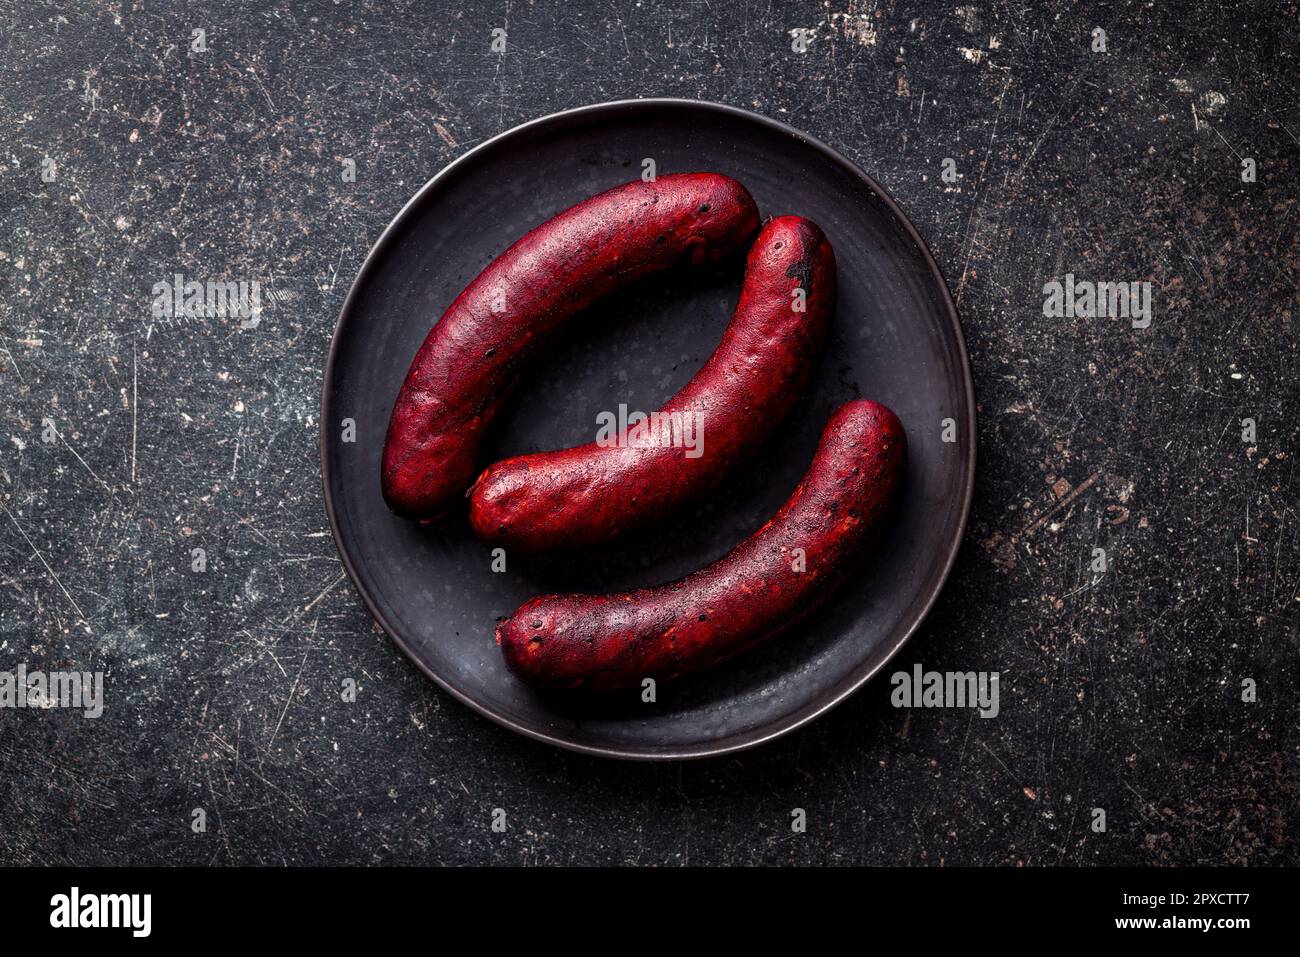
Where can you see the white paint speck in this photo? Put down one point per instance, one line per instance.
(1214, 102)
(855, 26)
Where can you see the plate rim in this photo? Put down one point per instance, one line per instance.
(803, 716)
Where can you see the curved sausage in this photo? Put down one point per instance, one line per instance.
(593, 492)
(755, 592)
(470, 359)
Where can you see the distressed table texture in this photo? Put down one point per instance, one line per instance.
(130, 156)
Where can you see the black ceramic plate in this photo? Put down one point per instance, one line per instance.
(896, 339)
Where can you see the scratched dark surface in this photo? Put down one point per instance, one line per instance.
(1120, 691)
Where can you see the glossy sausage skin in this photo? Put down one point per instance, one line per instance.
(471, 357)
(752, 594)
(591, 493)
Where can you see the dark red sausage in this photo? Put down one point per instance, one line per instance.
(471, 357)
(589, 494)
(608, 642)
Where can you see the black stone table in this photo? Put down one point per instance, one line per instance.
(136, 148)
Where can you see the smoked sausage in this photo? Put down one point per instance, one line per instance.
(471, 357)
(591, 493)
(754, 593)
